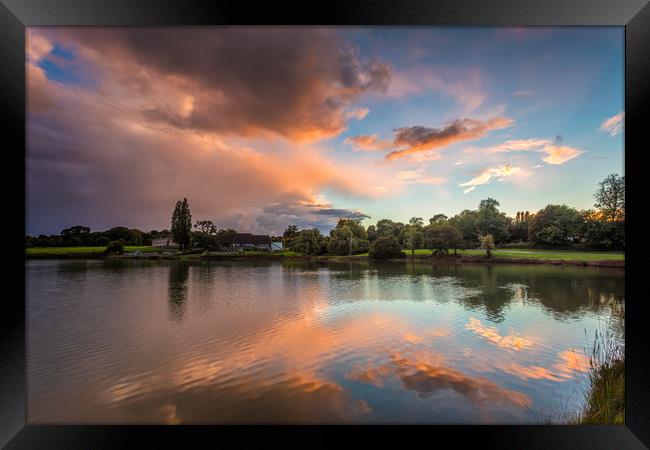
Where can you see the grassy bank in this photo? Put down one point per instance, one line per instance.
(605, 396)
(85, 250)
(608, 259)
(536, 254)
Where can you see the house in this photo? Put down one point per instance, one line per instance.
(164, 240)
(241, 241)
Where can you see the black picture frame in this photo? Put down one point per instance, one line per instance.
(15, 15)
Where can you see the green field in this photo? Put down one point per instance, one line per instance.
(538, 254)
(85, 250)
(511, 253)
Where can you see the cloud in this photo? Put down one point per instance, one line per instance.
(94, 159)
(488, 174)
(293, 82)
(419, 139)
(465, 85)
(491, 335)
(555, 153)
(614, 125)
(368, 142)
(517, 145)
(358, 113)
(558, 154)
(418, 177)
(428, 375)
(523, 93)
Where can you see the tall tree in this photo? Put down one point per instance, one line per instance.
(182, 224)
(610, 198)
(492, 221)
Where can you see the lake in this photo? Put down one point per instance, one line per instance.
(134, 341)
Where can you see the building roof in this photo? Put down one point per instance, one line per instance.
(243, 238)
(254, 239)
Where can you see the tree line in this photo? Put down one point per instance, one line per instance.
(554, 226)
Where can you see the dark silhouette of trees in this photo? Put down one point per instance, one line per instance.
(182, 224)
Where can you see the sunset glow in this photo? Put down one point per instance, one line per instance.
(263, 127)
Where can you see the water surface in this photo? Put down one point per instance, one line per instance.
(292, 342)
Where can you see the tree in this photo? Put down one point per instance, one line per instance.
(555, 225)
(289, 235)
(75, 236)
(417, 221)
(491, 221)
(412, 235)
(610, 198)
(443, 236)
(372, 233)
(308, 242)
(466, 221)
(438, 218)
(388, 227)
(518, 229)
(600, 234)
(385, 247)
(204, 235)
(115, 247)
(348, 237)
(117, 233)
(342, 241)
(182, 224)
(487, 243)
(358, 230)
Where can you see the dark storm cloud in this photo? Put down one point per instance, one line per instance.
(419, 138)
(94, 158)
(295, 82)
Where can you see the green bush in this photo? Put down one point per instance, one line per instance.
(115, 247)
(386, 247)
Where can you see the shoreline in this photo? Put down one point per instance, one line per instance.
(474, 259)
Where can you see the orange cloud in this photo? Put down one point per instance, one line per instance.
(102, 149)
(418, 138)
(368, 142)
(492, 335)
(489, 173)
(557, 154)
(426, 377)
(613, 125)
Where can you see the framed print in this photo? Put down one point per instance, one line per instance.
(362, 217)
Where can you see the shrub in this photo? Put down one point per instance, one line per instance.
(116, 247)
(487, 243)
(386, 247)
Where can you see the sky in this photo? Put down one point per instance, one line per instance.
(264, 127)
